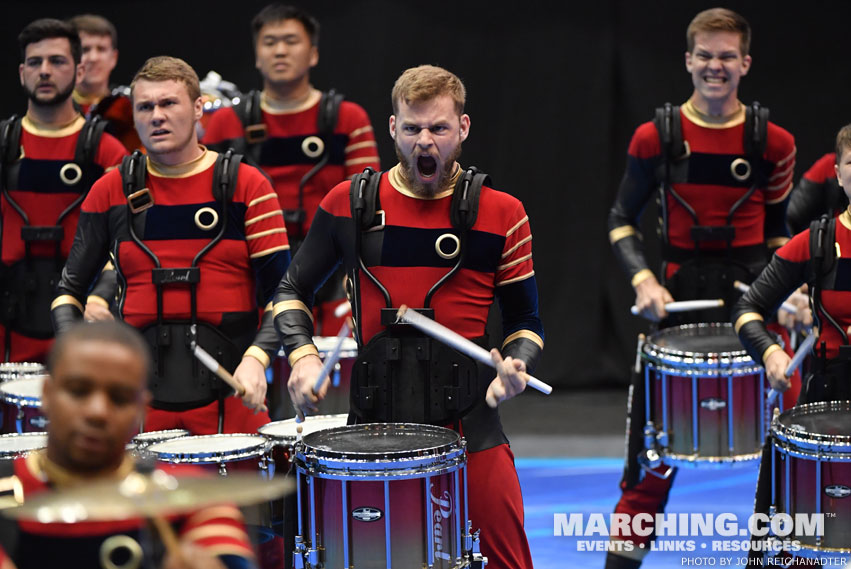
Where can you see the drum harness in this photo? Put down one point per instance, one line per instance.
(255, 133)
(179, 381)
(674, 167)
(401, 374)
(29, 285)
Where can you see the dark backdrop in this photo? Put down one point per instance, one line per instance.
(555, 91)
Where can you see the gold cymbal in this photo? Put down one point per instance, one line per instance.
(146, 496)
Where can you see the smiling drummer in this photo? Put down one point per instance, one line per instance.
(723, 174)
(429, 234)
(193, 235)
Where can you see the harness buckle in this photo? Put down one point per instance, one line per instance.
(140, 201)
(256, 133)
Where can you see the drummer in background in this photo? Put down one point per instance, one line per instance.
(408, 246)
(305, 140)
(94, 398)
(830, 289)
(723, 197)
(193, 258)
(93, 94)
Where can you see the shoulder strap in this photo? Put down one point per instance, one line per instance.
(10, 139)
(329, 111)
(225, 175)
(248, 109)
(465, 199)
(89, 140)
(668, 124)
(363, 196)
(133, 170)
(822, 253)
(756, 130)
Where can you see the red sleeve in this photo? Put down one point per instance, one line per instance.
(516, 260)
(265, 232)
(822, 169)
(361, 150)
(219, 530)
(796, 250)
(224, 124)
(645, 142)
(110, 152)
(781, 153)
(102, 195)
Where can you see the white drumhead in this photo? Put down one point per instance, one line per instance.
(23, 388)
(155, 436)
(20, 443)
(206, 444)
(325, 345)
(286, 430)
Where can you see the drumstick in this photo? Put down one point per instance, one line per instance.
(787, 306)
(214, 366)
(799, 356)
(342, 309)
(460, 343)
(331, 360)
(686, 305)
(169, 537)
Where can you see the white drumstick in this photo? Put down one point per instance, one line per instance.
(799, 356)
(687, 305)
(460, 343)
(215, 367)
(342, 309)
(331, 360)
(787, 306)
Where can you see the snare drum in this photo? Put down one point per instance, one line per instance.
(15, 370)
(20, 401)
(143, 440)
(811, 472)
(21, 444)
(219, 452)
(705, 397)
(282, 435)
(382, 495)
(337, 397)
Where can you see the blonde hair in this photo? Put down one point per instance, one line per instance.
(843, 141)
(165, 68)
(427, 82)
(720, 20)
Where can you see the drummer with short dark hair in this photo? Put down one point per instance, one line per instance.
(431, 235)
(722, 173)
(94, 398)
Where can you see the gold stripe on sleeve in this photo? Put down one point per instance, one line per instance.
(259, 355)
(300, 352)
(66, 299)
(285, 305)
(621, 232)
(641, 276)
(770, 350)
(745, 318)
(528, 334)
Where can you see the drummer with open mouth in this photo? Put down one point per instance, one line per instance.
(816, 256)
(723, 173)
(436, 237)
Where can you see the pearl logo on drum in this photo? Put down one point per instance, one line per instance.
(367, 514)
(837, 491)
(713, 404)
(442, 511)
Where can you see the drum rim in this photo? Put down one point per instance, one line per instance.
(142, 437)
(661, 355)
(804, 440)
(6, 454)
(212, 456)
(292, 421)
(404, 427)
(18, 399)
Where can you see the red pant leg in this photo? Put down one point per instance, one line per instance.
(496, 507)
(647, 497)
(24, 348)
(205, 420)
(790, 396)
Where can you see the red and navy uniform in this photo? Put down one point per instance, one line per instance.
(282, 154)
(705, 181)
(497, 264)
(43, 196)
(117, 109)
(252, 255)
(817, 193)
(217, 529)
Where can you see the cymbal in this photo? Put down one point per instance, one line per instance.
(148, 495)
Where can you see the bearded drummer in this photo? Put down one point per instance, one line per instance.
(433, 235)
(815, 256)
(94, 397)
(195, 237)
(723, 173)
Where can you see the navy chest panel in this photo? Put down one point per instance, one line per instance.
(715, 169)
(177, 222)
(416, 247)
(43, 176)
(843, 275)
(288, 151)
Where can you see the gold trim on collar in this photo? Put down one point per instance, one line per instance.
(196, 166)
(845, 218)
(708, 121)
(277, 107)
(81, 99)
(49, 131)
(47, 470)
(397, 180)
